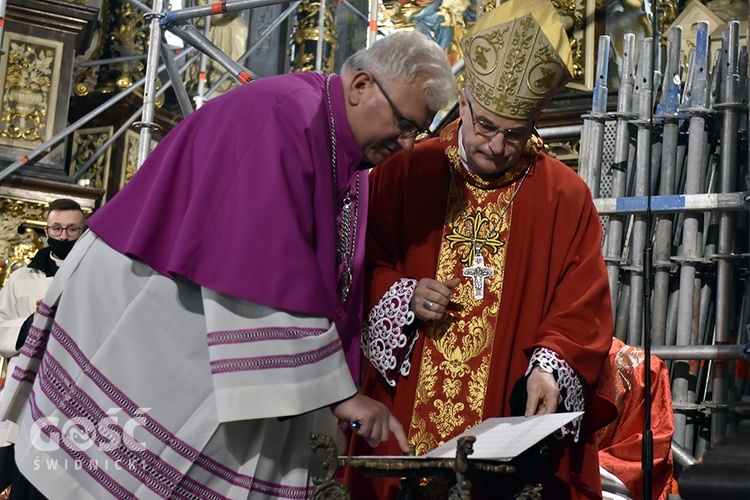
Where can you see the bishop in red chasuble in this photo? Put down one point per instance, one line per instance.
(485, 267)
(549, 291)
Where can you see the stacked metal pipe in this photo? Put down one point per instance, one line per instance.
(679, 193)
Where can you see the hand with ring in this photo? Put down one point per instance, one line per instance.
(431, 298)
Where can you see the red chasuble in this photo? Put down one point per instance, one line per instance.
(548, 289)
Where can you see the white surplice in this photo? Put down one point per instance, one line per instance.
(135, 385)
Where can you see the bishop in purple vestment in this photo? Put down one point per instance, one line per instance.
(209, 320)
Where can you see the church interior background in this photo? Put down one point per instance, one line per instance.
(74, 123)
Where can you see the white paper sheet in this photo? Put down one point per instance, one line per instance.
(501, 438)
(505, 438)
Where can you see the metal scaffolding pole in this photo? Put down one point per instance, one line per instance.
(140, 6)
(167, 55)
(645, 89)
(372, 27)
(615, 226)
(355, 10)
(258, 43)
(734, 202)
(110, 60)
(187, 13)
(200, 98)
(590, 160)
(126, 125)
(43, 148)
(194, 37)
(322, 8)
(682, 456)
(697, 145)
(702, 352)
(147, 124)
(730, 107)
(667, 114)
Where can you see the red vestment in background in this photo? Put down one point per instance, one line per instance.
(620, 443)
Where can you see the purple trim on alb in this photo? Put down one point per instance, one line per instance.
(45, 310)
(96, 424)
(148, 423)
(144, 465)
(24, 375)
(259, 334)
(282, 491)
(279, 361)
(36, 343)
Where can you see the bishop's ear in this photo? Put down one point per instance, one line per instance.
(360, 81)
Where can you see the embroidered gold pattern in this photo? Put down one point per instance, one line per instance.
(427, 381)
(447, 135)
(451, 387)
(447, 417)
(481, 224)
(477, 385)
(420, 439)
(453, 153)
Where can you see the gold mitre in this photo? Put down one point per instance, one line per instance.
(517, 57)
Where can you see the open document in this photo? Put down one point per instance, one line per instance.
(501, 438)
(504, 438)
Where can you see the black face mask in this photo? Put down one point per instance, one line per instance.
(60, 248)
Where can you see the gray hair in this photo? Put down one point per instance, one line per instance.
(402, 58)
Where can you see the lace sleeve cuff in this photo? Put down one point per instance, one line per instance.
(568, 381)
(385, 341)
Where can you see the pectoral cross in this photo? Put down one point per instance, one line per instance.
(478, 272)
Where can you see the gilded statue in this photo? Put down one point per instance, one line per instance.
(445, 21)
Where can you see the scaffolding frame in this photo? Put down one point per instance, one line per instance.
(697, 209)
(177, 22)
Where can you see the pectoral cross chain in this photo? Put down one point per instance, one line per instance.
(477, 273)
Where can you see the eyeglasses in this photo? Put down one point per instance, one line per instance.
(72, 231)
(513, 136)
(409, 129)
